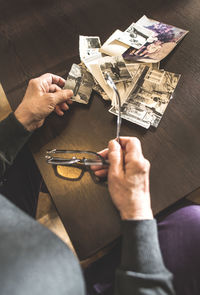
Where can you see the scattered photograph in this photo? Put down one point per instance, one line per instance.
(100, 91)
(115, 67)
(113, 46)
(149, 98)
(89, 47)
(158, 46)
(135, 36)
(81, 82)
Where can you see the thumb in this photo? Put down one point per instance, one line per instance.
(115, 156)
(62, 95)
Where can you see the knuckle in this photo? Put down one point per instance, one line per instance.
(113, 176)
(142, 165)
(50, 97)
(135, 141)
(134, 144)
(32, 81)
(148, 164)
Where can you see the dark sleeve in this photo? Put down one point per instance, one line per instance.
(142, 270)
(34, 261)
(13, 136)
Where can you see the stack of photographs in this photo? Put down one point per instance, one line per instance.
(149, 97)
(132, 60)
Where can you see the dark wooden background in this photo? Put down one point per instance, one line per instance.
(38, 36)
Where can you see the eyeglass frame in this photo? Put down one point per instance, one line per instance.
(82, 164)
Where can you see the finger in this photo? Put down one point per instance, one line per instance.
(52, 79)
(131, 144)
(115, 156)
(133, 149)
(58, 80)
(63, 106)
(54, 88)
(69, 101)
(101, 173)
(62, 96)
(104, 153)
(58, 111)
(98, 167)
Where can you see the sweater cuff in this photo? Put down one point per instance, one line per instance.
(140, 247)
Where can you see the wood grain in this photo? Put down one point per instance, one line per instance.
(42, 36)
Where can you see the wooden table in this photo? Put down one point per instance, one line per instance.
(42, 36)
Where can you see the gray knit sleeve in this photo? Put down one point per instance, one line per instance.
(142, 270)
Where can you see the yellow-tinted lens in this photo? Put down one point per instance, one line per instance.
(69, 172)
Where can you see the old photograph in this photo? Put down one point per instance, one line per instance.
(100, 91)
(89, 48)
(149, 98)
(135, 36)
(93, 42)
(81, 82)
(113, 46)
(115, 67)
(165, 38)
(134, 115)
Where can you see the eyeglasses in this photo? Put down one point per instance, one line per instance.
(75, 163)
(78, 162)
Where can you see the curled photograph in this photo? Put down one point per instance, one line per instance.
(81, 82)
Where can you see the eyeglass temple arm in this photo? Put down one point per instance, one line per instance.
(55, 151)
(87, 162)
(113, 86)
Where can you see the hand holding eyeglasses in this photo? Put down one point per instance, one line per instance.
(128, 178)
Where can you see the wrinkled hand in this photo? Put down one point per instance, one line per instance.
(128, 178)
(43, 95)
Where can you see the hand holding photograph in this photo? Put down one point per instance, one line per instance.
(81, 82)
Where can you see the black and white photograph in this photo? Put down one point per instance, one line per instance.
(115, 67)
(149, 98)
(81, 82)
(135, 114)
(89, 47)
(100, 91)
(93, 42)
(135, 36)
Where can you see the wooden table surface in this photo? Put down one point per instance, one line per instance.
(38, 36)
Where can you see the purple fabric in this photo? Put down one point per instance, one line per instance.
(179, 236)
